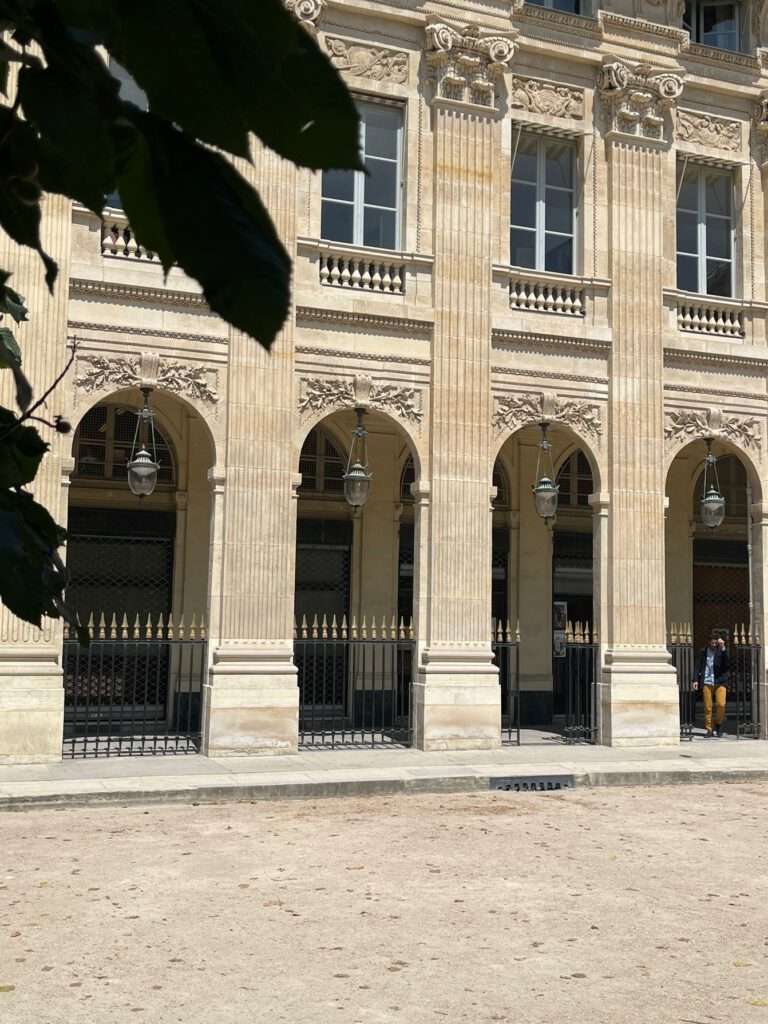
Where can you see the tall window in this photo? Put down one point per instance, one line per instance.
(713, 23)
(705, 232)
(321, 465)
(573, 6)
(575, 481)
(103, 445)
(543, 209)
(364, 209)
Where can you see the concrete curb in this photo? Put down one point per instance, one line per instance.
(521, 782)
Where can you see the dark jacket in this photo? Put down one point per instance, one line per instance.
(720, 667)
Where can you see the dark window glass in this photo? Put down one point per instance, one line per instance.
(523, 205)
(339, 185)
(523, 248)
(379, 228)
(687, 273)
(558, 254)
(337, 221)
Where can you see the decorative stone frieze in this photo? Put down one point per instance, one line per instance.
(683, 425)
(318, 394)
(638, 98)
(97, 373)
(542, 97)
(372, 62)
(307, 12)
(514, 411)
(707, 130)
(466, 64)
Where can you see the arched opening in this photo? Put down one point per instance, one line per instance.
(138, 571)
(356, 573)
(545, 617)
(711, 582)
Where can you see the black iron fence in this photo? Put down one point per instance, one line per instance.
(354, 682)
(742, 689)
(575, 676)
(135, 689)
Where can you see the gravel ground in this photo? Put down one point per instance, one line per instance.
(619, 906)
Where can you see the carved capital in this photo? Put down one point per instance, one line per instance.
(684, 425)
(638, 99)
(359, 60)
(467, 65)
(306, 12)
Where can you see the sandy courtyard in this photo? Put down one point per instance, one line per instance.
(615, 906)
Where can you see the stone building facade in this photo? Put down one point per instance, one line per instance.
(564, 220)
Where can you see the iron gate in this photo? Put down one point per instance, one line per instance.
(743, 687)
(135, 689)
(354, 682)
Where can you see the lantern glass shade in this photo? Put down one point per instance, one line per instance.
(357, 485)
(545, 498)
(712, 509)
(142, 473)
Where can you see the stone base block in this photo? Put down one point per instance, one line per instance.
(639, 700)
(31, 706)
(457, 702)
(250, 703)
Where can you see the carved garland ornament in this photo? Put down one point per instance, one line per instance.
(546, 98)
(98, 373)
(374, 63)
(320, 393)
(515, 410)
(708, 130)
(691, 424)
(467, 65)
(638, 97)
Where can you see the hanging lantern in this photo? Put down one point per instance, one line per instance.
(143, 465)
(545, 490)
(357, 479)
(712, 501)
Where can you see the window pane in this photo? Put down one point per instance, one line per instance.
(719, 237)
(689, 193)
(559, 210)
(381, 183)
(522, 248)
(525, 161)
(336, 223)
(379, 228)
(718, 26)
(559, 164)
(380, 131)
(687, 232)
(687, 273)
(558, 254)
(718, 194)
(718, 278)
(339, 185)
(524, 205)
(566, 5)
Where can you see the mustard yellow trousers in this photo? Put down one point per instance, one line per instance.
(714, 695)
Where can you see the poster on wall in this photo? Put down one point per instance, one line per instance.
(559, 626)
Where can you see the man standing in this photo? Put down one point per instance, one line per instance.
(712, 676)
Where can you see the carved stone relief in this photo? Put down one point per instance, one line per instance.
(98, 373)
(513, 411)
(637, 98)
(546, 98)
(683, 425)
(708, 130)
(466, 64)
(307, 12)
(320, 393)
(372, 62)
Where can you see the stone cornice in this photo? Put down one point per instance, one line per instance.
(702, 389)
(145, 332)
(548, 341)
(570, 23)
(715, 358)
(401, 324)
(576, 378)
(639, 26)
(716, 57)
(340, 353)
(79, 287)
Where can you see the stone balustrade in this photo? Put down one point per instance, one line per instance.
(707, 316)
(118, 239)
(544, 295)
(362, 273)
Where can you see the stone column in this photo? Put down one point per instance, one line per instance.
(600, 505)
(31, 692)
(456, 694)
(251, 697)
(640, 703)
(759, 625)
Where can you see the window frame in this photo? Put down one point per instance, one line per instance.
(542, 140)
(696, 32)
(550, 5)
(702, 214)
(358, 202)
(111, 444)
(320, 457)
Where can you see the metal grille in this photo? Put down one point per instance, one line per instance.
(354, 683)
(135, 689)
(506, 656)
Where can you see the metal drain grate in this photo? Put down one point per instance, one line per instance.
(532, 783)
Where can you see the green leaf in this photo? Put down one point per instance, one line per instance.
(33, 579)
(222, 70)
(190, 206)
(21, 451)
(10, 359)
(10, 301)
